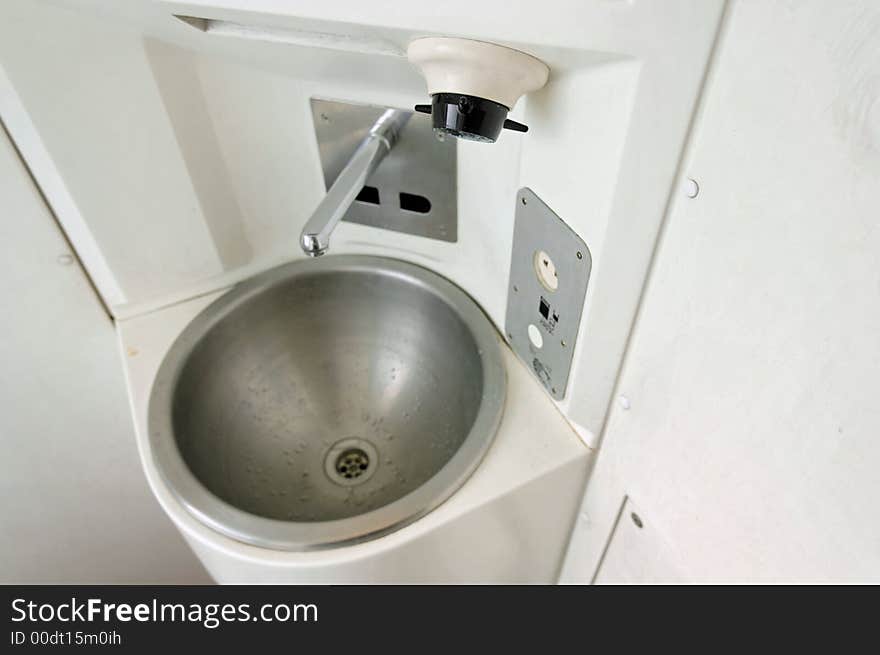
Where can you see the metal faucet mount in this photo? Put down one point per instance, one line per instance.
(383, 135)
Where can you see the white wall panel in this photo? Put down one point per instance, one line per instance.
(74, 504)
(88, 89)
(750, 441)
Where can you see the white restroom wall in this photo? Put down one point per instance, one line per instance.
(88, 92)
(747, 443)
(74, 504)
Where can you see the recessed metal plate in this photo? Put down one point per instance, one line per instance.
(420, 167)
(549, 271)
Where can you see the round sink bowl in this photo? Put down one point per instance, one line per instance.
(327, 402)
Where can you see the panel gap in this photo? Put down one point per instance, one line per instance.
(368, 194)
(414, 203)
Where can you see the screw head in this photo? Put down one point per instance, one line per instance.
(636, 519)
(524, 201)
(562, 343)
(580, 255)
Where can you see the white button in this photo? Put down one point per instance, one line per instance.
(535, 336)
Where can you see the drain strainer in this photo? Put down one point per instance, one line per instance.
(351, 461)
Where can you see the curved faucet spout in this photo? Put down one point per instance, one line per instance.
(315, 237)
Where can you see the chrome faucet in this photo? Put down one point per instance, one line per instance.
(315, 237)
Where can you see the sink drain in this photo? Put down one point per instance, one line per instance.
(351, 461)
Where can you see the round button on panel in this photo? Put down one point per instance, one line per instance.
(535, 336)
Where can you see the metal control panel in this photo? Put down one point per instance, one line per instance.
(549, 271)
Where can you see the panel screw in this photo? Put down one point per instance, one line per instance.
(553, 389)
(523, 201)
(635, 518)
(580, 255)
(515, 288)
(563, 343)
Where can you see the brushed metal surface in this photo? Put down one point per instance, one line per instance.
(419, 164)
(265, 389)
(380, 140)
(537, 229)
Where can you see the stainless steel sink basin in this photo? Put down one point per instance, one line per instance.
(327, 402)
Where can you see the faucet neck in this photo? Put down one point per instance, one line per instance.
(383, 135)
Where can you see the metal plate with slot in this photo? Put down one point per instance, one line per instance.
(549, 271)
(414, 188)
